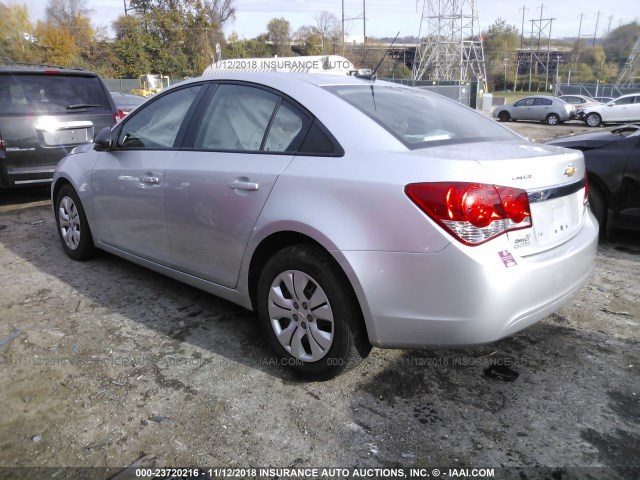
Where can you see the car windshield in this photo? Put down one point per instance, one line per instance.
(418, 118)
(50, 94)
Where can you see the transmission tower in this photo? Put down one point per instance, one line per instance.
(451, 45)
(631, 72)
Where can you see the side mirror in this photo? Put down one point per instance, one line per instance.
(515, 104)
(102, 142)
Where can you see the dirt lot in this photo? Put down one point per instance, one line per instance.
(103, 363)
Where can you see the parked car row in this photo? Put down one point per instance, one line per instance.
(347, 212)
(556, 110)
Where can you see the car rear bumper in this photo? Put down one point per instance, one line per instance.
(467, 295)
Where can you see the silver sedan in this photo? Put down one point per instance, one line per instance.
(551, 110)
(348, 213)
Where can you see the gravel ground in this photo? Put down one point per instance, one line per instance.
(104, 363)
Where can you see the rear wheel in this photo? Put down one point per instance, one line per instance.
(593, 119)
(553, 119)
(73, 228)
(309, 313)
(504, 116)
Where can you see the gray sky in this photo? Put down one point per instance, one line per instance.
(386, 17)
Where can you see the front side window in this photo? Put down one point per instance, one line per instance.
(237, 119)
(156, 125)
(419, 118)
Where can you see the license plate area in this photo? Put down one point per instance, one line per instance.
(63, 134)
(554, 221)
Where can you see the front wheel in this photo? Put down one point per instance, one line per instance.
(593, 120)
(72, 224)
(309, 313)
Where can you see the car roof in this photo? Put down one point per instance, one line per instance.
(281, 80)
(44, 70)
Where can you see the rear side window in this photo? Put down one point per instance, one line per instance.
(543, 101)
(51, 94)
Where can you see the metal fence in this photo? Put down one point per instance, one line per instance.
(124, 85)
(596, 89)
(460, 93)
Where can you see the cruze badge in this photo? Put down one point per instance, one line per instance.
(570, 170)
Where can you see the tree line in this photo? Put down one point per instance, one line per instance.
(179, 38)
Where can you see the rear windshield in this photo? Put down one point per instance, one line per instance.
(419, 118)
(53, 93)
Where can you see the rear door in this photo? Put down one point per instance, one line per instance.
(215, 190)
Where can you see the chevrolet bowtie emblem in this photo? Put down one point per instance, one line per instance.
(569, 171)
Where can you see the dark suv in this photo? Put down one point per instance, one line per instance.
(45, 112)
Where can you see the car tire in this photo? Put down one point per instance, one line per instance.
(72, 225)
(593, 119)
(598, 206)
(553, 119)
(309, 313)
(504, 116)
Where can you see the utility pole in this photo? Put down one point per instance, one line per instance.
(364, 32)
(343, 27)
(524, 9)
(595, 34)
(580, 26)
(609, 27)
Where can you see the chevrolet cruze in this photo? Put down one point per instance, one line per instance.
(348, 213)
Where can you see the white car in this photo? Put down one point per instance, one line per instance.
(623, 109)
(346, 212)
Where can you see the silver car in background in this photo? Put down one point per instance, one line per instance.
(551, 110)
(347, 213)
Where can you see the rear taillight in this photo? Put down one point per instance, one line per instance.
(119, 115)
(1, 143)
(472, 212)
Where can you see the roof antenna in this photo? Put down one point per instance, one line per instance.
(373, 75)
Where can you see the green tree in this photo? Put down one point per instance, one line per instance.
(279, 32)
(56, 45)
(309, 38)
(619, 42)
(74, 16)
(500, 43)
(17, 42)
(184, 31)
(133, 47)
(247, 49)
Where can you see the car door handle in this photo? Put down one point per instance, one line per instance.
(243, 185)
(150, 180)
